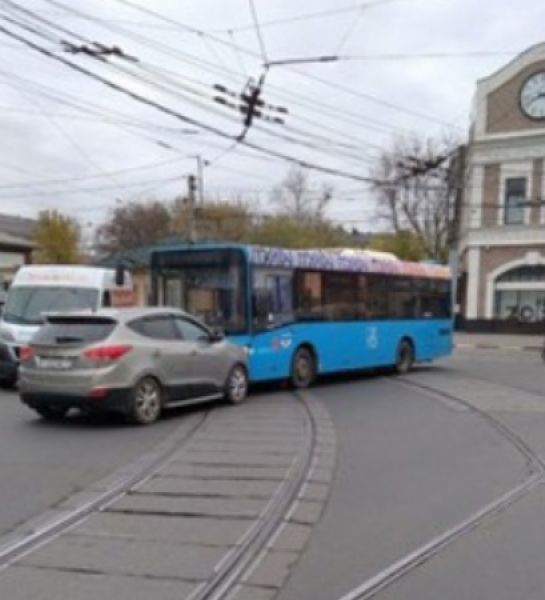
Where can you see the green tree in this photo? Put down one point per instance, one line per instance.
(286, 231)
(404, 244)
(57, 237)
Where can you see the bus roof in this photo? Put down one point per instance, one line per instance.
(330, 259)
(344, 259)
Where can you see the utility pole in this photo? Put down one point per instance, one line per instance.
(200, 174)
(454, 217)
(191, 189)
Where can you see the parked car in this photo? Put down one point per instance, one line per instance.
(38, 289)
(137, 361)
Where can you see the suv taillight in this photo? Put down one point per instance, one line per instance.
(25, 353)
(107, 353)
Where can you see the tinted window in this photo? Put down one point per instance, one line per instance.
(377, 297)
(362, 297)
(159, 328)
(191, 331)
(402, 298)
(272, 299)
(339, 296)
(74, 331)
(309, 295)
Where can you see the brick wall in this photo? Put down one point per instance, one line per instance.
(491, 192)
(504, 113)
(537, 186)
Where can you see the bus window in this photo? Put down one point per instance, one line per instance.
(362, 297)
(378, 298)
(309, 295)
(339, 296)
(402, 298)
(272, 299)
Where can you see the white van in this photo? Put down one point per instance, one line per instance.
(41, 289)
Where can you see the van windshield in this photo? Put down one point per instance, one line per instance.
(26, 304)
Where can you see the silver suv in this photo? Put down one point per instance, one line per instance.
(134, 361)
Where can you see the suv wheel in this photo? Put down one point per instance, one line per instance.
(147, 401)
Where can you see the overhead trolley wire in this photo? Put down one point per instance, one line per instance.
(166, 110)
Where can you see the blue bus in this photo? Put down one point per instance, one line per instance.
(302, 313)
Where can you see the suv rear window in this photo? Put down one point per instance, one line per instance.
(70, 330)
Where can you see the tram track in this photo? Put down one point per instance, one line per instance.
(129, 478)
(372, 586)
(535, 463)
(235, 567)
(239, 560)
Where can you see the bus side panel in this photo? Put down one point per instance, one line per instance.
(343, 346)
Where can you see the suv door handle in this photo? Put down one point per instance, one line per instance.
(156, 353)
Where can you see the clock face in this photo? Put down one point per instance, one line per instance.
(532, 96)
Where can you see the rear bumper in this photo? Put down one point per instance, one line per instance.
(116, 400)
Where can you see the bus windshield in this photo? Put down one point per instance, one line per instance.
(206, 283)
(26, 304)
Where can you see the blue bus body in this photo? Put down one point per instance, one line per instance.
(339, 344)
(345, 346)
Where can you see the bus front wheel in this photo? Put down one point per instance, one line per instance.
(404, 357)
(303, 368)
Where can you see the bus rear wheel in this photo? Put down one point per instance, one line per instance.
(303, 368)
(404, 357)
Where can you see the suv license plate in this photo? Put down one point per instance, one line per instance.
(54, 363)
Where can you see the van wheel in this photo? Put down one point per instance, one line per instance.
(404, 357)
(51, 413)
(303, 368)
(236, 386)
(146, 402)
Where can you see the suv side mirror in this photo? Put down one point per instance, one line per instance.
(120, 274)
(217, 336)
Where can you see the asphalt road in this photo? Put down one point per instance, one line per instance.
(412, 465)
(43, 463)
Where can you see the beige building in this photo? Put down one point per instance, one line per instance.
(502, 217)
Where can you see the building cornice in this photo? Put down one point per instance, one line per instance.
(503, 236)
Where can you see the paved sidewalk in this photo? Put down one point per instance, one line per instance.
(498, 341)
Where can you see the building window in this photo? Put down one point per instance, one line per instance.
(515, 198)
(519, 294)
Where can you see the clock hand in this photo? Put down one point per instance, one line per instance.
(539, 96)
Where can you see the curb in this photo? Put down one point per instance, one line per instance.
(498, 347)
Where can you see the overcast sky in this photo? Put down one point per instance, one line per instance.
(71, 143)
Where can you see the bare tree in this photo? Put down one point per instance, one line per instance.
(414, 191)
(134, 224)
(296, 199)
